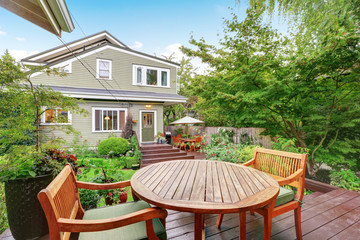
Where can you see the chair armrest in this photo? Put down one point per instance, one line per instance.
(102, 186)
(77, 225)
(293, 177)
(249, 163)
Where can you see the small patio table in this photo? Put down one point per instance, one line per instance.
(205, 187)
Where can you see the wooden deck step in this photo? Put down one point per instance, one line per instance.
(156, 151)
(163, 155)
(156, 146)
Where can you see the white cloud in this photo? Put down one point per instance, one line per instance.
(136, 45)
(20, 39)
(2, 33)
(20, 54)
(173, 51)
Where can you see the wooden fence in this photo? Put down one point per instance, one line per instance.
(253, 134)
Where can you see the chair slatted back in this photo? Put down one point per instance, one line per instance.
(62, 197)
(279, 163)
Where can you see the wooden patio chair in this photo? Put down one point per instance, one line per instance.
(195, 146)
(61, 204)
(287, 169)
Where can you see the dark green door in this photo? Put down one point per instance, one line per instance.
(147, 130)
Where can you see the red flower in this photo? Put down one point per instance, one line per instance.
(85, 140)
(110, 194)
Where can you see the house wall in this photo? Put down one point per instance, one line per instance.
(122, 73)
(84, 124)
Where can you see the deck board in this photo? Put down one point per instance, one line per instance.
(334, 215)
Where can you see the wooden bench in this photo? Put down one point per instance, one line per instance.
(287, 169)
(61, 204)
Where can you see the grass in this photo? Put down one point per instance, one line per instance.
(3, 215)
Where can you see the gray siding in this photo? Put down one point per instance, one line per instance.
(122, 71)
(84, 124)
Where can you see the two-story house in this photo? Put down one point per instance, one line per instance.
(114, 81)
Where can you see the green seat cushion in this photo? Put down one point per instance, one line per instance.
(285, 195)
(132, 231)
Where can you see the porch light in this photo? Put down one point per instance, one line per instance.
(148, 106)
(107, 118)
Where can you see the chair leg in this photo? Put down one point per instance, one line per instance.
(219, 220)
(297, 215)
(268, 209)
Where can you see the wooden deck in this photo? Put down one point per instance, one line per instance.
(334, 215)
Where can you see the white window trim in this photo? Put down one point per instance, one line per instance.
(42, 118)
(107, 109)
(98, 65)
(143, 76)
(155, 124)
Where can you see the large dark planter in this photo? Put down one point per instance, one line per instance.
(26, 217)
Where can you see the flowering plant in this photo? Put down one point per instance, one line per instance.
(160, 136)
(116, 195)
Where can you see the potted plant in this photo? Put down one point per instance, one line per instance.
(27, 166)
(160, 138)
(25, 172)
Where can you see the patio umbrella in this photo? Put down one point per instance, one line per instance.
(187, 120)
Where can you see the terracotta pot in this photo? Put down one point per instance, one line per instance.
(25, 214)
(123, 197)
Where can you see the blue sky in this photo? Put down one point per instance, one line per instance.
(154, 27)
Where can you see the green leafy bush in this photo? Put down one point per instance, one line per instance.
(89, 198)
(129, 161)
(288, 145)
(113, 146)
(3, 215)
(345, 179)
(222, 148)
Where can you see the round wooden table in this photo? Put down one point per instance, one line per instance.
(205, 187)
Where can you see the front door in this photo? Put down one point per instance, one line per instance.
(147, 130)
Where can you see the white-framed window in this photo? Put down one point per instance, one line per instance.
(108, 119)
(103, 69)
(56, 117)
(151, 76)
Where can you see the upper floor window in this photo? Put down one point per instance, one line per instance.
(108, 119)
(151, 76)
(56, 117)
(103, 69)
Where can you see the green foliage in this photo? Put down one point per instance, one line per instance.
(134, 145)
(129, 161)
(288, 145)
(222, 149)
(25, 161)
(304, 87)
(179, 131)
(113, 146)
(346, 179)
(89, 198)
(3, 214)
(80, 147)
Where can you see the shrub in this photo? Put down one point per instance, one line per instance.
(113, 146)
(3, 215)
(345, 179)
(288, 145)
(129, 162)
(89, 198)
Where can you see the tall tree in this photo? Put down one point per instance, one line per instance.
(307, 90)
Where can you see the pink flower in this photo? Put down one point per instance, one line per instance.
(80, 136)
(85, 140)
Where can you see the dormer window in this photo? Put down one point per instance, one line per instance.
(151, 76)
(103, 69)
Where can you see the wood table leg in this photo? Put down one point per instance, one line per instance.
(242, 225)
(199, 233)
